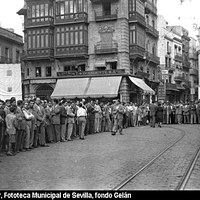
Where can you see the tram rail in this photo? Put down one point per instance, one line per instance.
(130, 178)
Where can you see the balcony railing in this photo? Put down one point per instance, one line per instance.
(106, 16)
(178, 57)
(171, 86)
(136, 17)
(72, 51)
(5, 60)
(106, 48)
(37, 21)
(179, 77)
(150, 7)
(41, 53)
(152, 58)
(151, 30)
(142, 74)
(71, 17)
(136, 51)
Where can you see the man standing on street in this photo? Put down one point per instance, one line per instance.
(117, 112)
(152, 109)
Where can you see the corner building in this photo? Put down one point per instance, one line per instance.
(91, 49)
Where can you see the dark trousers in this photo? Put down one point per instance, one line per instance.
(20, 137)
(57, 132)
(152, 120)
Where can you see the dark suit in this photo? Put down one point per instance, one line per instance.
(40, 116)
(63, 122)
(152, 109)
(56, 121)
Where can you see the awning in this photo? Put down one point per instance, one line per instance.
(141, 84)
(70, 88)
(104, 87)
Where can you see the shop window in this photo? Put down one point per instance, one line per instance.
(38, 72)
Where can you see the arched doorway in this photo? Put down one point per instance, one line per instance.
(44, 92)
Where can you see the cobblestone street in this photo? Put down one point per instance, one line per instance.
(101, 161)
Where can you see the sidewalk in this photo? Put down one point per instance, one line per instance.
(100, 161)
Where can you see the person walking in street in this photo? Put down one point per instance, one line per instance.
(159, 114)
(152, 113)
(81, 115)
(117, 113)
(97, 109)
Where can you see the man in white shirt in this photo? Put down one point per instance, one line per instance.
(81, 115)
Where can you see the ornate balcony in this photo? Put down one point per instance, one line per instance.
(71, 51)
(106, 48)
(136, 17)
(136, 51)
(40, 53)
(171, 86)
(106, 16)
(39, 21)
(150, 8)
(152, 58)
(142, 74)
(178, 57)
(71, 18)
(151, 30)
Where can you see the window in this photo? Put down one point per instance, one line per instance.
(140, 37)
(27, 72)
(140, 7)
(154, 75)
(9, 89)
(70, 68)
(40, 12)
(42, 38)
(17, 56)
(107, 8)
(65, 9)
(9, 72)
(48, 71)
(131, 5)
(72, 35)
(132, 34)
(38, 72)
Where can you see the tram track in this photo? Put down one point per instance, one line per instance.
(133, 176)
(183, 183)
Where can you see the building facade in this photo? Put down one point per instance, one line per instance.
(175, 62)
(194, 71)
(11, 46)
(68, 39)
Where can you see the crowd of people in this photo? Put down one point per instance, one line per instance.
(31, 123)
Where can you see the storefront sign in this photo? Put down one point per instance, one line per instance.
(91, 73)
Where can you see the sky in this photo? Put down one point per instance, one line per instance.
(186, 14)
